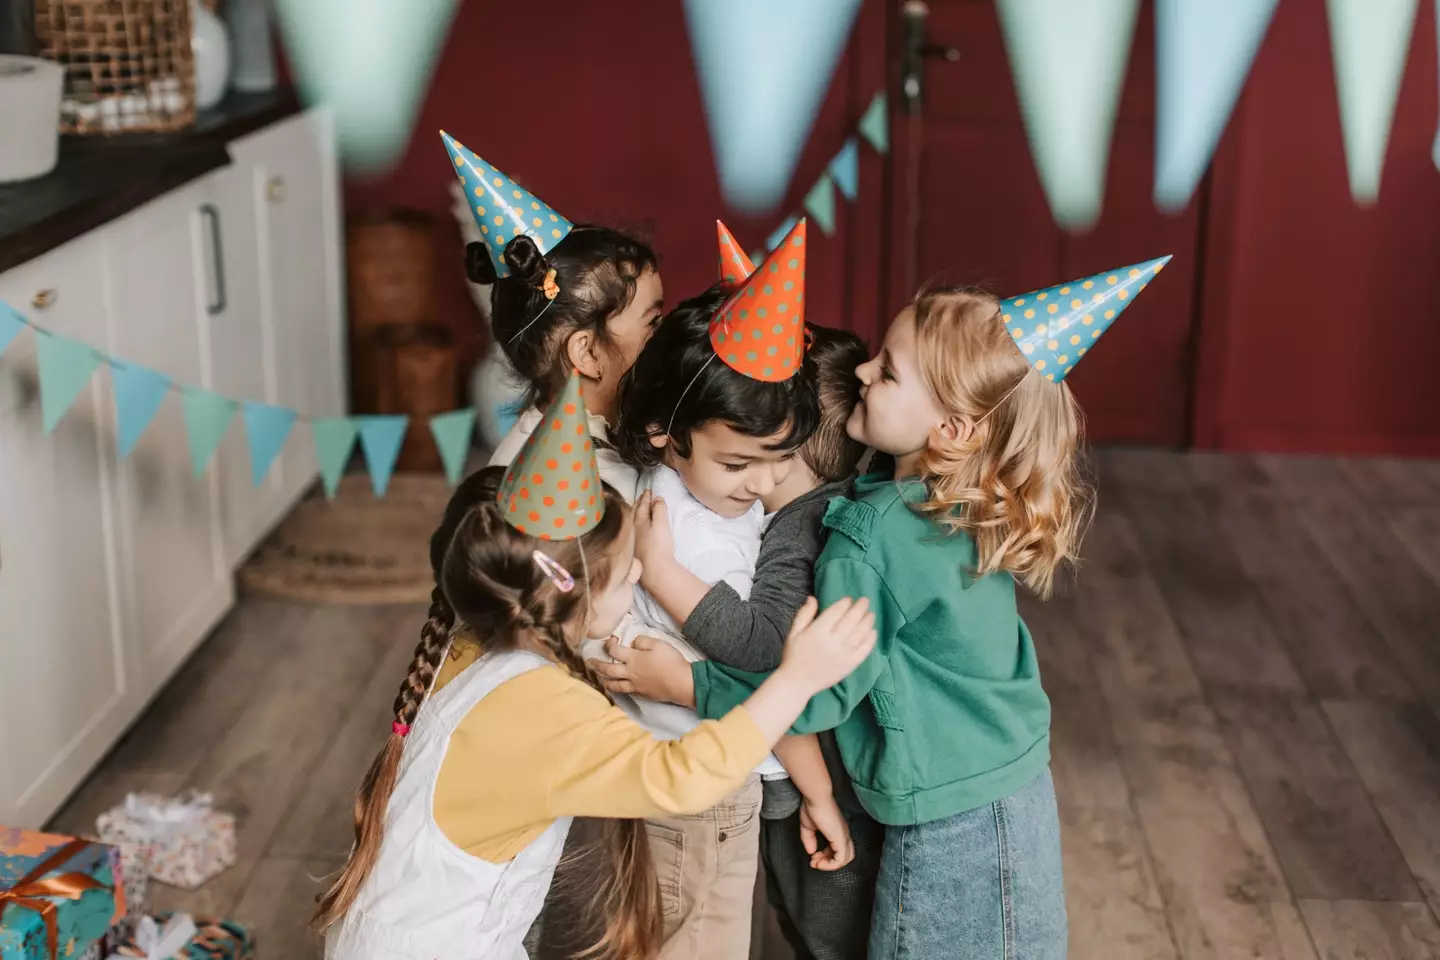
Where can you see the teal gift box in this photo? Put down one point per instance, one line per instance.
(58, 895)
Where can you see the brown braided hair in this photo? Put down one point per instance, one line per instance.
(488, 581)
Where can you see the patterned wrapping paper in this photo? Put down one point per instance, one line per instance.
(211, 940)
(135, 880)
(188, 840)
(73, 882)
(134, 877)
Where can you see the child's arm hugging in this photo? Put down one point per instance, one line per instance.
(746, 634)
(656, 670)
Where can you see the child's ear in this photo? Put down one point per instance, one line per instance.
(956, 429)
(658, 438)
(581, 350)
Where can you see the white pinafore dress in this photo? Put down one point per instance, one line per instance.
(426, 899)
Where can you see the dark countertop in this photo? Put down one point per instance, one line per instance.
(101, 178)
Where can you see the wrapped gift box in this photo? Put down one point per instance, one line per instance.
(188, 841)
(58, 895)
(177, 936)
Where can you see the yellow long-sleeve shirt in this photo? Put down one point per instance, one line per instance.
(545, 745)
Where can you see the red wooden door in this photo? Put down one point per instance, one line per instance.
(967, 207)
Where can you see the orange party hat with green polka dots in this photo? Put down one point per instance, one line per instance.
(1057, 326)
(735, 265)
(552, 490)
(501, 207)
(760, 331)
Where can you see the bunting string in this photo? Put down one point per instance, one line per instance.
(842, 173)
(66, 365)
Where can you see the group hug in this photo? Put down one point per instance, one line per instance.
(738, 591)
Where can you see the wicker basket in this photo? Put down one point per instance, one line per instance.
(128, 63)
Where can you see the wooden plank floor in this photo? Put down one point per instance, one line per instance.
(1246, 681)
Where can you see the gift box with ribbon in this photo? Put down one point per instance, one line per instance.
(58, 895)
(178, 936)
(188, 840)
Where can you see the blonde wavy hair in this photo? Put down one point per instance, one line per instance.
(1014, 481)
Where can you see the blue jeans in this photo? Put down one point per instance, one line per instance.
(985, 884)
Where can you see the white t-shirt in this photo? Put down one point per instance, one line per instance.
(712, 547)
(613, 470)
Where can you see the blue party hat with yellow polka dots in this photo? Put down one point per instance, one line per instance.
(502, 208)
(1055, 327)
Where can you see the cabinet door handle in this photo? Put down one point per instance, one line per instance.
(212, 213)
(45, 299)
(275, 189)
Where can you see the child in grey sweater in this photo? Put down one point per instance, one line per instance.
(825, 913)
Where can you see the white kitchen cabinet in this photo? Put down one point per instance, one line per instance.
(113, 571)
(65, 685)
(290, 173)
(242, 350)
(160, 284)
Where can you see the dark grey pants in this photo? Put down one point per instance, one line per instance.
(824, 915)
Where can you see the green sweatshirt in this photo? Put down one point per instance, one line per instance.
(947, 714)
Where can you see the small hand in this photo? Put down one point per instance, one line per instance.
(823, 817)
(650, 667)
(654, 544)
(824, 649)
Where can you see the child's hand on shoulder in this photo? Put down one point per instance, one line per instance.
(654, 544)
(650, 667)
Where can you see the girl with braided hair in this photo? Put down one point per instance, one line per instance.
(461, 819)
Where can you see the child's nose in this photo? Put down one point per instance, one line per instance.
(761, 482)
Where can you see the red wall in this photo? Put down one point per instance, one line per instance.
(1320, 320)
(1315, 321)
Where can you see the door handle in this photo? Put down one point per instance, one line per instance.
(915, 13)
(217, 253)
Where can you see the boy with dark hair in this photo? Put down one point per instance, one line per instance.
(713, 414)
(825, 913)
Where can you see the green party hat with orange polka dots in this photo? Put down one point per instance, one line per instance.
(502, 208)
(552, 490)
(760, 331)
(1057, 326)
(735, 265)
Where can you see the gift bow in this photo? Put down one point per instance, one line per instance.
(166, 815)
(157, 943)
(30, 890)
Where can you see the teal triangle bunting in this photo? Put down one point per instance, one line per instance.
(65, 368)
(452, 432)
(207, 415)
(380, 438)
(334, 441)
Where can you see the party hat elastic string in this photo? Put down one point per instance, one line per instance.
(532, 323)
(1008, 393)
(686, 391)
